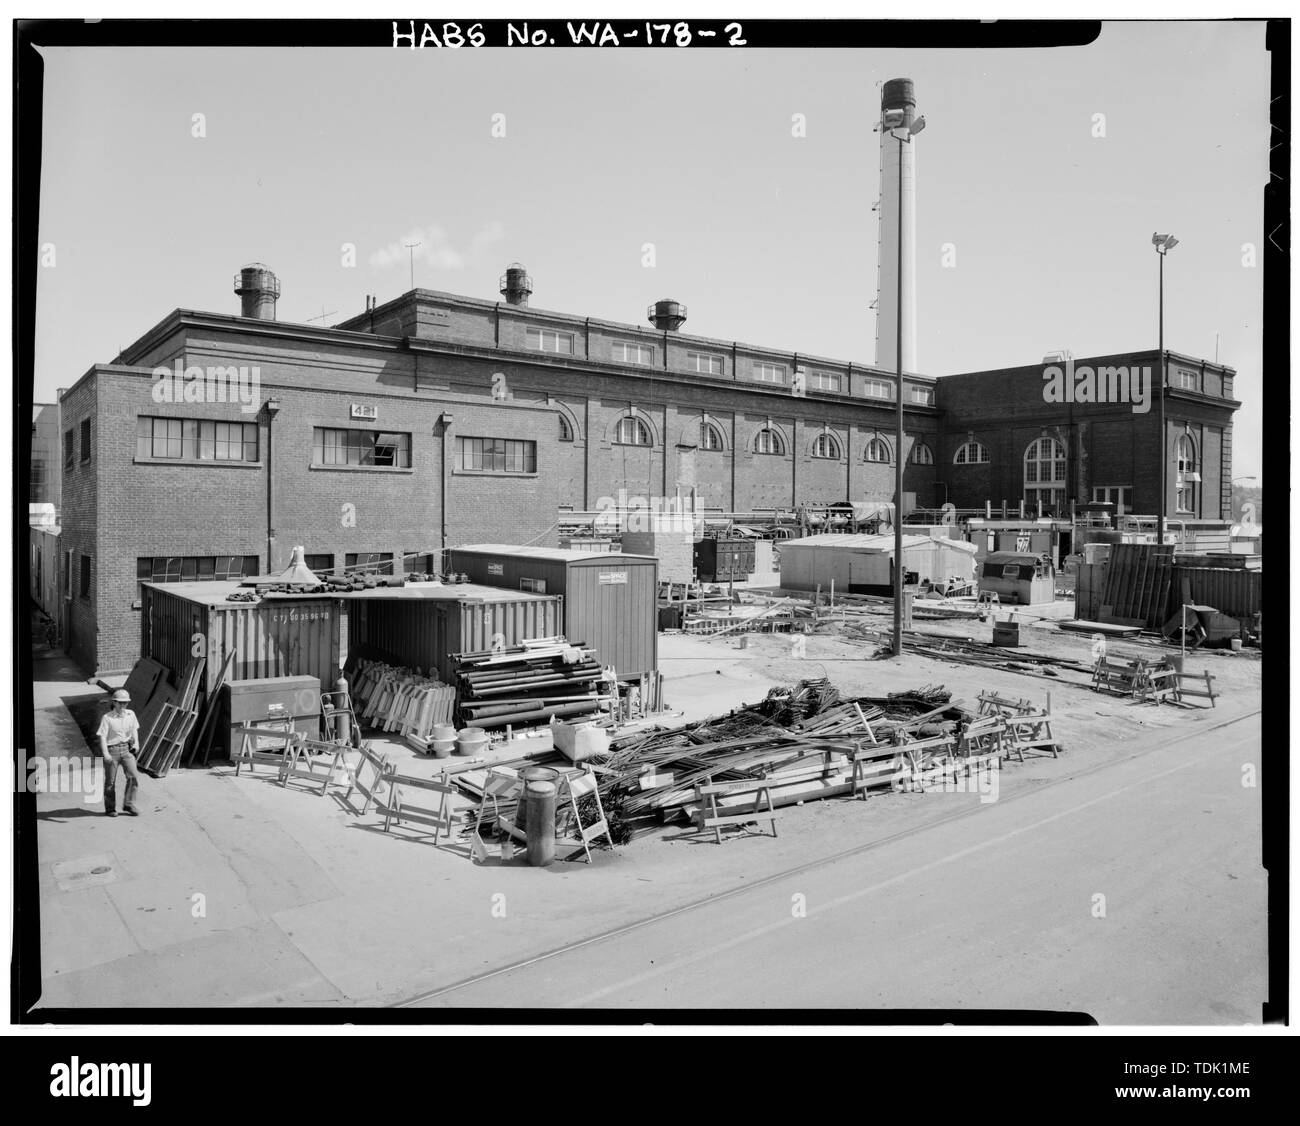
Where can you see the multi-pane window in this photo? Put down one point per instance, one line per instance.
(878, 389)
(195, 568)
(626, 352)
(971, 453)
(1185, 458)
(923, 395)
(319, 564)
(710, 436)
(826, 445)
(704, 362)
(380, 562)
(1045, 462)
(85, 439)
(373, 448)
(195, 439)
(769, 441)
(418, 562)
(1118, 495)
(922, 454)
(549, 340)
(69, 448)
(877, 450)
(566, 430)
(498, 455)
(631, 431)
(1184, 379)
(824, 380)
(769, 373)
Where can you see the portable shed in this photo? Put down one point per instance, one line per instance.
(863, 564)
(610, 598)
(1018, 577)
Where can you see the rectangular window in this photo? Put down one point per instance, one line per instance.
(923, 395)
(69, 448)
(84, 577)
(85, 440)
(418, 562)
(824, 381)
(1181, 377)
(704, 362)
(319, 564)
(769, 373)
(370, 448)
(497, 455)
(878, 389)
(380, 562)
(626, 352)
(549, 340)
(1116, 494)
(193, 439)
(195, 568)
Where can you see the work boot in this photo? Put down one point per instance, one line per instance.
(110, 813)
(131, 811)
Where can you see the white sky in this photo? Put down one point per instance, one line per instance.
(769, 239)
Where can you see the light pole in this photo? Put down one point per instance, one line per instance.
(903, 134)
(1163, 244)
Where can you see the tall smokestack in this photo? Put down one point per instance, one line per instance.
(258, 288)
(897, 222)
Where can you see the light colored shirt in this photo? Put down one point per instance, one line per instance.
(120, 727)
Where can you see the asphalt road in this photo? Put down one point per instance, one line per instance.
(1133, 894)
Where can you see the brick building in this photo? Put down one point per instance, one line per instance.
(435, 420)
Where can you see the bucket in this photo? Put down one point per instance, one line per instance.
(442, 747)
(1235, 642)
(442, 731)
(471, 741)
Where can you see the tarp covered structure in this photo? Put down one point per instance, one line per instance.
(861, 564)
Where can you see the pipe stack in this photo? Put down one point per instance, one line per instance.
(528, 683)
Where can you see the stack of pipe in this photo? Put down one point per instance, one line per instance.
(527, 684)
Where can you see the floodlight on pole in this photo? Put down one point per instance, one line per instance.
(1163, 244)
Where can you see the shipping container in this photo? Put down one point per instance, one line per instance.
(610, 600)
(422, 626)
(863, 564)
(279, 635)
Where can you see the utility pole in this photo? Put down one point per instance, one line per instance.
(410, 246)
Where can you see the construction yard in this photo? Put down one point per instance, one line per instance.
(246, 885)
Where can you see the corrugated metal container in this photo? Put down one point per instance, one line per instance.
(292, 635)
(610, 600)
(423, 627)
(1088, 582)
(862, 564)
(1235, 591)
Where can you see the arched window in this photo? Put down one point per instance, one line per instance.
(1045, 474)
(922, 454)
(769, 441)
(877, 450)
(566, 431)
(972, 453)
(631, 431)
(710, 436)
(1185, 463)
(826, 445)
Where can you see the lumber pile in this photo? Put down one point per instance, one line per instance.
(527, 683)
(798, 744)
(170, 725)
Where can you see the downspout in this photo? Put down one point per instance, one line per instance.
(272, 409)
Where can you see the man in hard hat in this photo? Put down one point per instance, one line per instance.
(119, 742)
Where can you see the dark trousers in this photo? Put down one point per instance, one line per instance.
(121, 753)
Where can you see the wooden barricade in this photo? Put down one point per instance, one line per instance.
(709, 792)
(368, 774)
(571, 788)
(875, 764)
(251, 743)
(304, 756)
(1189, 678)
(397, 808)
